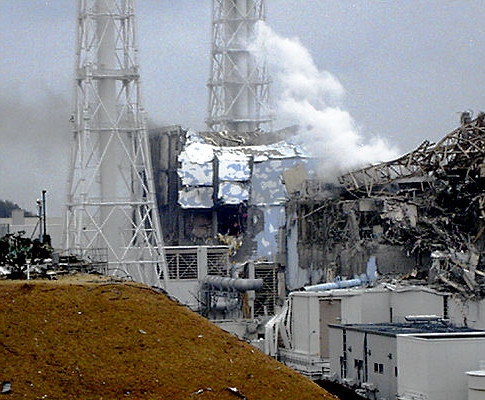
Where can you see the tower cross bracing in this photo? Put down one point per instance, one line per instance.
(238, 83)
(111, 200)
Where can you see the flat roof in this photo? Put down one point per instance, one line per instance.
(418, 327)
(382, 287)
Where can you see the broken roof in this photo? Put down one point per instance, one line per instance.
(463, 148)
(230, 168)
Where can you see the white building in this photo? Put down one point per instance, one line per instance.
(406, 361)
(298, 336)
(303, 323)
(31, 226)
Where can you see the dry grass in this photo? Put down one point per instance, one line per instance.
(72, 339)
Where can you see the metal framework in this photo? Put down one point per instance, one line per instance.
(184, 262)
(238, 84)
(266, 298)
(462, 148)
(111, 200)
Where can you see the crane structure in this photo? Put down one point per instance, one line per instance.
(111, 200)
(238, 83)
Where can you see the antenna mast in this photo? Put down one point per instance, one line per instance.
(111, 200)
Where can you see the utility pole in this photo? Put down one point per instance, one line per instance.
(111, 200)
(39, 215)
(45, 236)
(238, 84)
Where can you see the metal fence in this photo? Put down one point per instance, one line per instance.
(186, 262)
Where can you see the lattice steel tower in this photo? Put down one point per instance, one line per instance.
(238, 85)
(111, 201)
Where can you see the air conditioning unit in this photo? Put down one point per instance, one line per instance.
(348, 381)
(368, 386)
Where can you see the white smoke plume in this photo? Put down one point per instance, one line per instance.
(312, 98)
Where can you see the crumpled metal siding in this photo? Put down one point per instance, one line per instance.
(267, 239)
(267, 185)
(198, 152)
(280, 150)
(249, 174)
(234, 174)
(193, 174)
(197, 168)
(233, 192)
(233, 167)
(196, 197)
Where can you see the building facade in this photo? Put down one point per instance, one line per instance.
(423, 359)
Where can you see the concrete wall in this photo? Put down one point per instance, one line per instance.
(435, 365)
(382, 364)
(185, 291)
(375, 307)
(393, 259)
(305, 324)
(296, 277)
(364, 306)
(370, 360)
(359, 306)
(415, 302)
(469, 313)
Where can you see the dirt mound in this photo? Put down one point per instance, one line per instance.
(107, 340)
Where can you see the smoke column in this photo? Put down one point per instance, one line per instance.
(313, 99)
(35, 133)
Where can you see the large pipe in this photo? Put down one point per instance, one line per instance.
(338, 284)
(239, 284)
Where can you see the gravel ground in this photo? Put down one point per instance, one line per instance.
(87, 337)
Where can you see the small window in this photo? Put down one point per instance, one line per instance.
(378, 368)
(395, 371)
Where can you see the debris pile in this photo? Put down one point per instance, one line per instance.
(86, 336)
(422, 214)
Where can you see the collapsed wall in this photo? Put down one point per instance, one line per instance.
(421, 215)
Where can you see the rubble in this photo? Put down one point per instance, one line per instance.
(425, 209)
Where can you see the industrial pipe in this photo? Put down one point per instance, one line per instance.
(239, 284)
(338, 284)
(225, 304)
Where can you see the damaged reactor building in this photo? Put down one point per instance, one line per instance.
(255, 240)
(420, 216)
(248, 203)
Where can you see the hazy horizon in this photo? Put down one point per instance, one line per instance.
(407, 69)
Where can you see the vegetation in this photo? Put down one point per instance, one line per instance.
(17, 252)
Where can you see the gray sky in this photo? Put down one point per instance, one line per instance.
(408, 67)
